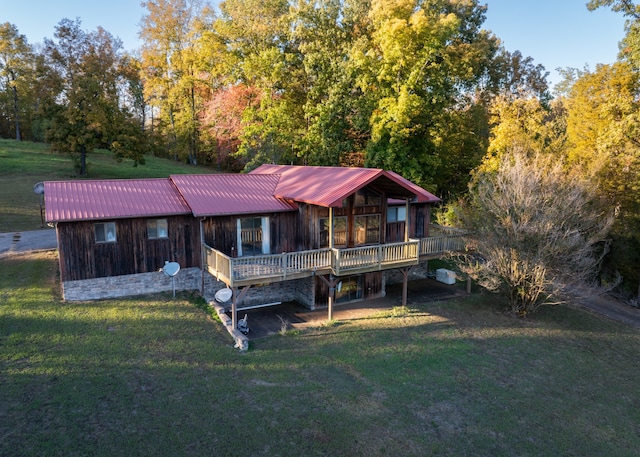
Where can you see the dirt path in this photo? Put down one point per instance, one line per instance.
(608, 306)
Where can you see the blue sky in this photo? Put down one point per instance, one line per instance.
(556, 33)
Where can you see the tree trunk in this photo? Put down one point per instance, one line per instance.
(16, 111)
(83, 160)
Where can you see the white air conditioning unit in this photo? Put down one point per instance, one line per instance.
(445, 276)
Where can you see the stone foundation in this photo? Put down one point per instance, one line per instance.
(417, 272)
(130, 285)
(299, 290)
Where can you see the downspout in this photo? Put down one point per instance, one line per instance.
(203, 257)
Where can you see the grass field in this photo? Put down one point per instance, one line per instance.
(23, 164)
(158, 376)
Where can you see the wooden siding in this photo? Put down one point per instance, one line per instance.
(133, 252)
(419, 215)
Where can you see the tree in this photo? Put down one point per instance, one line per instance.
(222, 120)
(328, 34)
(257, 34)
(604, 139)
(88, 113)
(630, 44)
(539, 230)
(172, 76)
(16, 70)
(424, 60)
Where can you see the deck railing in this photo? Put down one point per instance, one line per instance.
(370, 258)
(268, 267)
(290, 265)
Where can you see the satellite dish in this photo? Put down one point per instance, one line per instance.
(38, 188)
(223, 295)
(171, 268)
(340, 286)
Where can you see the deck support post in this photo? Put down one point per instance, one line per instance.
(332, 292)
(405, 284)
(331, 283)
(234, 308)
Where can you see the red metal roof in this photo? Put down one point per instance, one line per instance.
(106, 199)
(329, 186)
(211, 195)
(269, 188)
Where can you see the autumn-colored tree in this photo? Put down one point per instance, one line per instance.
(604, 138)
(222, 120)
(257, 35)
(630, 44)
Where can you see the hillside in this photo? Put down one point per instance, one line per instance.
(23, 164)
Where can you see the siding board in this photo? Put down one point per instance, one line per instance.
(133, 252)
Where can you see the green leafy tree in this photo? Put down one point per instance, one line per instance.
(327, 34)
(87, 112)
(425, 58)
(173, 80)
(17, 68)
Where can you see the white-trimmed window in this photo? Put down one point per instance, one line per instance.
(397, 214)
(105, 232)
(157, 228)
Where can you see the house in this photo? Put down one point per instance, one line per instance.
(316, 235)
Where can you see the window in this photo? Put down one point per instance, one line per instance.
(367, 197)
(368, 229)
(339, 231)
(105, 232)
(253, 236)
(157, 228)
(396, 214)
(350, 288)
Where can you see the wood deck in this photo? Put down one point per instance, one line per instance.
(242, 271)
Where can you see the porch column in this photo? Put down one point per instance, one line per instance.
(203, 257)
(331, 284)
(406, 220)
(330, 227)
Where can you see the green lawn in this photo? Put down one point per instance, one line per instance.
(157, 376)
(23, 164)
